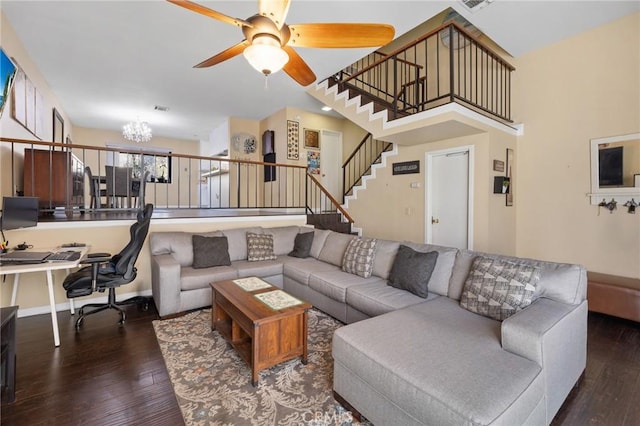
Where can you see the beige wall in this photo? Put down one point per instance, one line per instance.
(10, 127)
(111, 237)
(585, 87)
(391, 209)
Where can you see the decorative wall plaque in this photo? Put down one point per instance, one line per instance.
(293, 144)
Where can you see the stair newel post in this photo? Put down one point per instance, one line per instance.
(395, 85)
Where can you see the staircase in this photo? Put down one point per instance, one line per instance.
(331, 221)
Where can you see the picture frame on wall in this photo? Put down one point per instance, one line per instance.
(313, 162)
(509, 167)
(58, 127)
(311, 139)
(7, 74)
(293, 135)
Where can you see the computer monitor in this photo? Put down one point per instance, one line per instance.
(19, 212)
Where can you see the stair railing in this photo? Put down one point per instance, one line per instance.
(319, 201)
(365, 155)
(443, 66)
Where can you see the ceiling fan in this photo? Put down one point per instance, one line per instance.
(269, 41)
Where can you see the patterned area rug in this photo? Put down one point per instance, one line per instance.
(212, 383)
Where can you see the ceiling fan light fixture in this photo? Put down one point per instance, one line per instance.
(265, 54)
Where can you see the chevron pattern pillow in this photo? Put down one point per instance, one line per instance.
(359, 255)
(260, 247)
(498, 289)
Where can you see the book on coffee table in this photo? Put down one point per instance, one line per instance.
(277, 299)
(251, 283)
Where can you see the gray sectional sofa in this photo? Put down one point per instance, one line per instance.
(406, 359)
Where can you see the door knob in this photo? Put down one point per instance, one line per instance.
(434, 220)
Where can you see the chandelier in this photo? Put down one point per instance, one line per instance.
(137, 131)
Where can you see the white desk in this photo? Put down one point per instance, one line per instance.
(47, 267)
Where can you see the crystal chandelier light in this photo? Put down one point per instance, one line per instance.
(137, 131)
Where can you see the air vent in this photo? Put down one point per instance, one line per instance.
(475, 5)
(161, 108)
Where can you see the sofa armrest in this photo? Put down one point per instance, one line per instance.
(554, 335)
(165, 284)
(524, 333)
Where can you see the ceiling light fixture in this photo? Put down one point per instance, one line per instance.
(326, 108)
(137, 131)
(265, 54)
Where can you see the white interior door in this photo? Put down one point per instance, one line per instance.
(449, 194)
(331, 162)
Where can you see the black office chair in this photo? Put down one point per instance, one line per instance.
(108, 272)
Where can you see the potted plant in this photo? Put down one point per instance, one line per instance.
(161, 178)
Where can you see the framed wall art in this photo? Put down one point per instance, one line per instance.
(311, 139)
(313, 162)
(7, 73)
(58, 127)
(293, 140)
(510, 165)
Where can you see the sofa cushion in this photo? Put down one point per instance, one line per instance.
(385, 255)
(302, 245)
(238, 241)
(379, 298)
(446, 366)
(334, 283)
(210, 251)
(259, 247)
(178, 244)
(497, 288)
(301, 269)
(319, 238)
(439, 283)
(263, 268)
(411, 270)
(193, 279)
(563, 282)
(359, 255)
(283, 238)
(334, 248)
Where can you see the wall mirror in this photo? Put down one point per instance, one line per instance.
(615, 168)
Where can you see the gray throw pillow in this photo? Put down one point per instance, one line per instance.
(210, 251)
(302, 245)
(412, 270)
(498, 288)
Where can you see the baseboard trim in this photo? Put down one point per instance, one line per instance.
(65, 306)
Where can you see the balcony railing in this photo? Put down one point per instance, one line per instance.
(443, 66)
(58, 174)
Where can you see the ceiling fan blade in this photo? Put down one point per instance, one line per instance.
(224, 55)
(297, 68)
(276, 10)
(340, 35)
(210, 13)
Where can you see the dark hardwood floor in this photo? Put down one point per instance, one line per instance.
(107, 374)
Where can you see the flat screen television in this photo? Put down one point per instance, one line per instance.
(610, 166)
(19, 212)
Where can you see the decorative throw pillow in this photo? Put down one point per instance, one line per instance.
(412, 270)
(497, 288)
(358, 258)
(210, 251)
(260, 247)
(302, 245)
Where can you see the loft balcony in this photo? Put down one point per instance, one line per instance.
(439, 72)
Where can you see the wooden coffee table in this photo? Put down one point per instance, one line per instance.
(261, 335)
